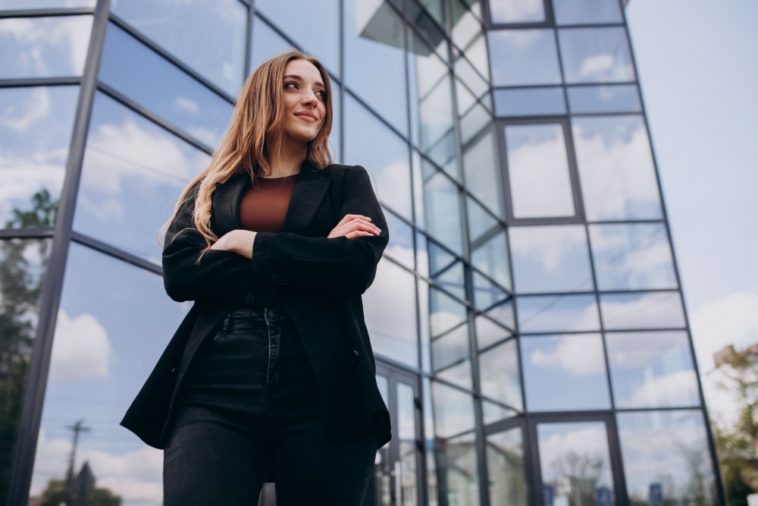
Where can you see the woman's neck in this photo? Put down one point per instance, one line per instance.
(288, 162)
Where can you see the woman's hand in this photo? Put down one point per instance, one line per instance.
(354, 225)
(238, 241)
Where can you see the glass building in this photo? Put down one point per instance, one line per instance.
(531, 339)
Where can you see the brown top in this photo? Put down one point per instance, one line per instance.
(265, 203)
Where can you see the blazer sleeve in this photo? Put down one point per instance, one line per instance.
(338, 265)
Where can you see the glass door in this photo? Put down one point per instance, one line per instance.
(397, 478)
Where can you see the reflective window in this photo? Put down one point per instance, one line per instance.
(476, 119)
(390, 305)
(517, 11)
(323, 42)
(486, 293)
(557, 312)
(458, 458)
(575, 463)
(43, 4)
(564, 372)
(100, 358)
(266, 43)
(24, 263)
(219, 54)
(450, 347)
(667, 451)
(595, 55)
(458, 374)
(610, 98)
(453, 410)
(641, 310)
(538, 171)
(473, 80)
(524, 57)
(503, 314)
(480, 168)
(54, 46)
(400, 246)
(374, 59)
(499, 374)
(424, 314)
(144, 76)
(446, 312)
(488, 332)
(35, 134)
(442, 210)
(465, 25)
(505, 465)
(529, 102)
(480, 221)
(550, 258)
(478, 57)
(491, 257)
(451, 278)
(382, 153)
(616, 168)
(493, 412)
(586, 11)
(132, 174)
(632, 256)
(652, 369)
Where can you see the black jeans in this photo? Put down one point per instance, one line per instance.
(249, 412)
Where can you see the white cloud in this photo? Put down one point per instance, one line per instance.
(577, 354)
(675, 389)
(81, 348)
(548, 245)
(598, 65)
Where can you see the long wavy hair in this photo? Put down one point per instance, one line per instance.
(254, 135)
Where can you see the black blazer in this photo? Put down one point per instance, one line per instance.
(319, 280)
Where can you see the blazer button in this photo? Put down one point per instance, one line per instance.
(173, 370)
(355, 352)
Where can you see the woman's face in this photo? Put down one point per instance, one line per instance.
(303, 101)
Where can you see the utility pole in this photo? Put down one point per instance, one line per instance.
(71, 499)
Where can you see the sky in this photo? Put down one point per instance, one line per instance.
(698, 69)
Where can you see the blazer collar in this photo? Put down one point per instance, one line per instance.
(311, 184)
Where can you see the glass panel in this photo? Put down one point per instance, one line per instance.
(457, 460)
(551, 258)
(53, 46)
(323, 42)
(486, 293)
(595, 55)
(132, 174)
(407, 445)
(35, 134)
(101, 356)
(382, 153)
(632, 256)
(641, 310)
(666, 455)
(480, 221)
(465, 26)
(478, 57)
(488, 332)
(22, 269)
(652, 369)
(557, 312)
(424, 329)
(147, 78)
(524, 57)
(450, 347)
(473, 80)
(480, 168)
(538, 171)
(492, 412)
(505, 465)
(586, 11)
(499, 374)
(564, 372)
(266, 43)
(374, 59)
(503, 314)
(400, 247)
(382, 462)
(530, 102)
(451, 278)
(491, 257)
(476, 119)
(575, 464)
(390, 305)
(219, 54)
(517, 11)
(44, 4)
(453, 410)
(442, 211)
(616, 168)
(611, 98)
(458, 374)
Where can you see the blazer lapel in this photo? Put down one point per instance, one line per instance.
(310, 187)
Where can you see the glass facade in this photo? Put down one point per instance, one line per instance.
(527, 318)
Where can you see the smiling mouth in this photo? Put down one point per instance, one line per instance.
(307, 118)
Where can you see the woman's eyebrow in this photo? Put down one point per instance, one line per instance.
(295, 76)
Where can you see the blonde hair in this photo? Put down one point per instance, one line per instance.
(254, 134)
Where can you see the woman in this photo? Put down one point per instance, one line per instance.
(270, 376)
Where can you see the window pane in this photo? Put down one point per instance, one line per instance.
(652, 369)
(24, 263)
(503, 314)
(595, 55)
(147, 78)
(442, 211)
(616, 168)
(132, 174)
(374, 59)
(517, 11)
(587, 11)
(486, 293)
(488, 332)
(480, 221)
(505, 465)
(35, 134)
(557, 312)
(524, 57)
(565, 372)
(632, 256)
(641, 310)
(323, 42)
(550, 258)
(453, 410)
(101, 356)
(491, 258)
(458, 462)
(667, 451)
(499, 374)
(265, 44)
(611, 98)
(385, 155)
(390, 305)
(529, 102)
(446, 312)
(538, 171)
(40, 4)
(400, 246)
(450, 347)
(219, 54)
(54, 46)
(480, 168)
